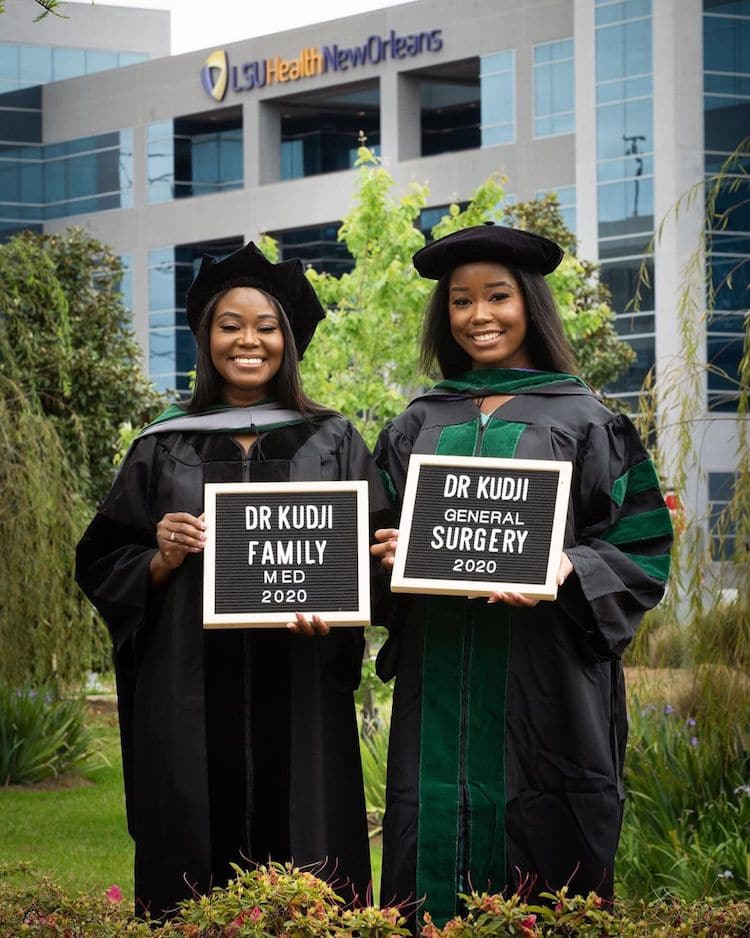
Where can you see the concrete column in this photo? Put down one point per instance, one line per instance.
(400, 127)
(678, 168)
(585, 104)
(261, 128)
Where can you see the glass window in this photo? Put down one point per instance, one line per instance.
(450, 113)
(326, 127)
(160, 161)
(566, 198)
(554, 94)
(626, 207)
(99, 61)
(721, 527)
(730, 278)
(35, 64)
(317, 245)
(498, 105)
(633, 379)
(9, 63)
(623, 50)
(623, 277)
(68, 63)
(131, 58)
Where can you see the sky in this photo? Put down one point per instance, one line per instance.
(201, 24)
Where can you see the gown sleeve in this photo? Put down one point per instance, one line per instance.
(392, 452)
(356, 462)
(113, 556)
(621, 549)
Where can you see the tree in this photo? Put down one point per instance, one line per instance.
(66, 340)
(69, 375)
(48, 6)
(364, 357)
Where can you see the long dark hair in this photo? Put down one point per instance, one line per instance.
(545, 340)
(287, 383)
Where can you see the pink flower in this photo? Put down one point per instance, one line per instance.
(114, 894)
(559, 907)
(255, 914)
(529, 921)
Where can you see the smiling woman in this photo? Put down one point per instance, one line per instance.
(237, 745)
(247, 344)
(508, 726)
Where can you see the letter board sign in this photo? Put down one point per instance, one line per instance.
(274, 549)
(475, 525)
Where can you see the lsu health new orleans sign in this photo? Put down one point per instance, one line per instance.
(218, 75)
(276, 548)
(475, 526)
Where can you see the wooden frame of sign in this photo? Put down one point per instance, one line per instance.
(277, 548)
(474, 525)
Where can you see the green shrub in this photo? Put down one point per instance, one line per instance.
(374, 749)
(281, 902)
(688, 811)
(41, 735)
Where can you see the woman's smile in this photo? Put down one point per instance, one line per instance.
(247, 344)
(488, 315)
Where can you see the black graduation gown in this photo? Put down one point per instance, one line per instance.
(235, 743)
(509, 726)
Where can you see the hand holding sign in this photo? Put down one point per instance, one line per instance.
(177, 535)
(481, 526)
(385, 549)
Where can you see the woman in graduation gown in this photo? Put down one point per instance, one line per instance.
(237, 744)
(508, 731)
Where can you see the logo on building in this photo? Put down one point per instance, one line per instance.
(214, 75)
(217, 74)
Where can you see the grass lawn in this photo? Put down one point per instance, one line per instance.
(75, 829)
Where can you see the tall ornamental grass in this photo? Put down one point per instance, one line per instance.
(41, 735)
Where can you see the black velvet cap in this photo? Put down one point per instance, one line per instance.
(488, 242)
(285, 281)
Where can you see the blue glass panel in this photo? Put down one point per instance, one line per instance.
(543, 91)
(499, 133)
(99, 61)
(543, 53)
(32, 182)
(292, 159)
(497, 62)
(161, 288)
(730, 277)
(623, 278)
(542, 127)
(726, 44)
(728, 7)
(9, 62)
(54, 182)
(563, 92)
(21, 126)
(616, 12)
(131, 58)
(721, 486)
(68, 63)
(126, 281)
(634, 377)
(10, 182)
(497, 98)
(623, 50)
(628, 325)
(626, 168)
(563, 124)
(35, 64)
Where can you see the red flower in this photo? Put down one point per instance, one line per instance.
(529, 921)
(114, 894)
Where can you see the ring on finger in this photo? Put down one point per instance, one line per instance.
(172, 536)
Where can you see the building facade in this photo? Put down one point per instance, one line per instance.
(620, 106)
